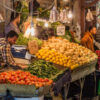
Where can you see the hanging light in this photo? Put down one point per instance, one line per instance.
(30, 30)
(70, 15)
(46, 24)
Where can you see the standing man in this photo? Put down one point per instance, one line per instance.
(88, 39)
(6, 57)
(13, 25)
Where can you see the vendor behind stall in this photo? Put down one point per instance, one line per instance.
(88, 39)
(13, 25)
(6, 57)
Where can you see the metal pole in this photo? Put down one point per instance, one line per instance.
(32, 9)
(32, 13)
(56, 3)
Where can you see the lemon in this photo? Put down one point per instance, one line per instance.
(65, 65)
(54, 62)
(37, 54)
(57, 62)
(53, 59)
(39, 57)
(50, 57)
(47, 59)
(43, 57)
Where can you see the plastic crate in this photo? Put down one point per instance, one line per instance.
(19, 51)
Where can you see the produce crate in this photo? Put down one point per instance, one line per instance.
(23, 90)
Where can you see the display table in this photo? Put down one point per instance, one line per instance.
(21, 61)
(83, 71)
(77, 74)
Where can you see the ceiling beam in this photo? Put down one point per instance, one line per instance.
(91, 4)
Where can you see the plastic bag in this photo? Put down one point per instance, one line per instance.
(89, 16)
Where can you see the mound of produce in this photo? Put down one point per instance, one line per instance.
(78, 54)
(24, 41)
(42, 69)
(23, 78)
(53, 56)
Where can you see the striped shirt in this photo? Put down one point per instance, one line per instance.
(5, 53)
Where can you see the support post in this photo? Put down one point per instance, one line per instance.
(56, 3)
(82, 17)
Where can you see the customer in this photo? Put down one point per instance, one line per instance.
(13, 25)
(88, 38)
(6, 57)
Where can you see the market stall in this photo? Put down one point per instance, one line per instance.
(54, 65)
(49, 44)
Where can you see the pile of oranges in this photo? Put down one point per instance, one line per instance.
(23, 78)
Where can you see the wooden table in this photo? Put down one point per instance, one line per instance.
(21, 61)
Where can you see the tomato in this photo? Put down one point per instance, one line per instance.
(23, 78)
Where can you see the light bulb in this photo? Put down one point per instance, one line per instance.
(46, 24)
(70, 15)
(32, 31)
(27, 33)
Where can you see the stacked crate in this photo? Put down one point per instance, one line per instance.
(98, 64)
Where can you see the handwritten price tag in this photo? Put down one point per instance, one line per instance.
(61, 30)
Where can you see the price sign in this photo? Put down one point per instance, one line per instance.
(61, 30)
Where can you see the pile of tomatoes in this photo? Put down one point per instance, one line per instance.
(23, 78)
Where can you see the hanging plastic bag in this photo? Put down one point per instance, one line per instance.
(89, 16)
(54, 15)
(63, 16)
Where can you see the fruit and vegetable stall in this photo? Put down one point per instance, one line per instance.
(53, 55)
(54, 63)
